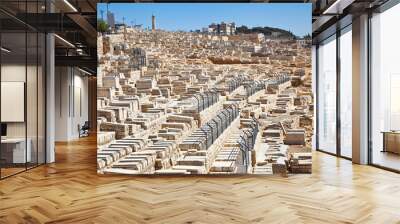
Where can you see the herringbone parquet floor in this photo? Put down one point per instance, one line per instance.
(70, 191)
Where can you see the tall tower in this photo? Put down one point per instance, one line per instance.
(123, 19)
(153, 22)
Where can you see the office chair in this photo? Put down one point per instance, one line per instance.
(84, 130)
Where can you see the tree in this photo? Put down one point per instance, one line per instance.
(242, 29)
(267, 31)
(307, 36)
(102, 26)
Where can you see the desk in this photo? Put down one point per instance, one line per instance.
(391, 141)
(13, 150)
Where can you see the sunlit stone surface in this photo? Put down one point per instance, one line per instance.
(191, 103)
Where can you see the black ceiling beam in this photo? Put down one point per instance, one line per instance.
(85, 25)
(77, 61)
(90, 70)
(87, 51)
(8, 24)
(91, 5)
(11, 22)
(49, 22)
(57, 22)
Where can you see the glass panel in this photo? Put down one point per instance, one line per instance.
(314, 90)
(41, 99)
(23, 82)
(346, 92)
(32, 88)
(31, 100)
(327, 95)
(13, 87)
(385, 84)
(17, 6)
(17, 9)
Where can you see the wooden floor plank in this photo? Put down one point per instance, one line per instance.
(70, 191)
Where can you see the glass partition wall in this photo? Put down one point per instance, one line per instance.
(334, 100)
(22, 100)
(334, 115)
(345, 108)
(385, 89)
(327, 95)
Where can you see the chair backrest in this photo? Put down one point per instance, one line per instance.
(86, 125)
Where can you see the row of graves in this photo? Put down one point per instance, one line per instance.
(157, 114)
(286, 129)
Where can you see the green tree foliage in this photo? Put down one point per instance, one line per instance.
(102, 26)
(267, 31)
(307, 36)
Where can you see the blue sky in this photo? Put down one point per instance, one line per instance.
(295, 17)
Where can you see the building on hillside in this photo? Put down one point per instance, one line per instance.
(221, 29)
(111, 20)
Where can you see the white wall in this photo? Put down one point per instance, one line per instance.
(10, 73)
(71, 87)
(81, 85)
(62, 81)
(17, 73)
(33, 127)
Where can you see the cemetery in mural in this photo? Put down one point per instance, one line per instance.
(203, 103)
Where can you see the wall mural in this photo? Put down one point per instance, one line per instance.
(204, 89)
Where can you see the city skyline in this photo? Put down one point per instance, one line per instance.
(173, 17)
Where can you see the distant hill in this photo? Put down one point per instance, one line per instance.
(267, 31)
